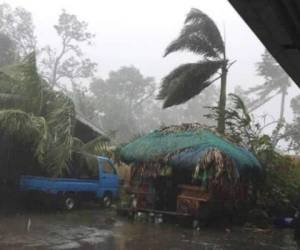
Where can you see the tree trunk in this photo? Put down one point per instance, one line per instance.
(282, 105)
(222, 101)
(281, 116)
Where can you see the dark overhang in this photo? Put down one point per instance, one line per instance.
(85, 130)
(277, 24)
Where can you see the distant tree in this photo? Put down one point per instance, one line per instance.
(276, 81)
(120, 100)
(18, 26)
(198, 105)
(295, 105)
(84, 103)
(8, 54)
(201, 36)
(292, 130)
(68, 62)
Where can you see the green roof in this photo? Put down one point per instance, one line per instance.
(186, 146)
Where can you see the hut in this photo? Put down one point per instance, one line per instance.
(185, 169)
(85, 130)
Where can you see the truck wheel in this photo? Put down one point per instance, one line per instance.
(107, 200)
(69, 202)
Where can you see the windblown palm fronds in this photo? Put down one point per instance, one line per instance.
(84, 160)
(23, 142)
(39, 121)
(201, 36)
(23, 83)
(24, 128)
(239, 124)
(98, 146)
(276, 82)
(22, 89)
(59, 112)
(240, 105)
(186, 81)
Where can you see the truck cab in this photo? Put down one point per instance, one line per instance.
(108, 179)
(70, 191)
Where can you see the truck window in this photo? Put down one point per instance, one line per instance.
(108, 168)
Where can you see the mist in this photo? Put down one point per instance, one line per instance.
(134, 35)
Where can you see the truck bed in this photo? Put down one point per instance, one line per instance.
(55, 185)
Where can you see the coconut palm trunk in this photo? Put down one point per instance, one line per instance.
(282, 104)
(281, 119)
(222, 101)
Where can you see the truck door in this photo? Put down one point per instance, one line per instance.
(108, 177)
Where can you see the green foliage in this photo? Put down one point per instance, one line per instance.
(98, 146)
(295, 105)
(280, 193)
(37, 122)
(201, 36)
(22, 81)
(276, 82)
(59, 113)
(24, 128)
(269, 68)
(42, 122)
(84, 161)
(8, 53)
(23, 143)
(240, 127)
(52, 112)
(122, 101)
(18, 26)
(186, 81)
(292, 130)
(280, 190)
(124, 105)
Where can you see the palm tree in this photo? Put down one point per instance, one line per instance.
(27, 101)
(276, 82)
(201, 36)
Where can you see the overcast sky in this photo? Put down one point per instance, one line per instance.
(136, 32)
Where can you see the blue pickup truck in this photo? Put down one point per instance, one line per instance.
(68, 192)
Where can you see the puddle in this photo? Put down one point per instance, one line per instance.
(69, 231)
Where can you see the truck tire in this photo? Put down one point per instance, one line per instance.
(69, 202)
(107, 200)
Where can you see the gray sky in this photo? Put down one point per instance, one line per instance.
(136, 32)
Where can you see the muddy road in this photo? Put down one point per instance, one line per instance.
(103, 229)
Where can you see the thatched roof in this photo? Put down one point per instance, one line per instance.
(184, 147)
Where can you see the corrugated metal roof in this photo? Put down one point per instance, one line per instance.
(85, 130)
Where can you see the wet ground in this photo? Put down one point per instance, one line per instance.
(103, 229)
